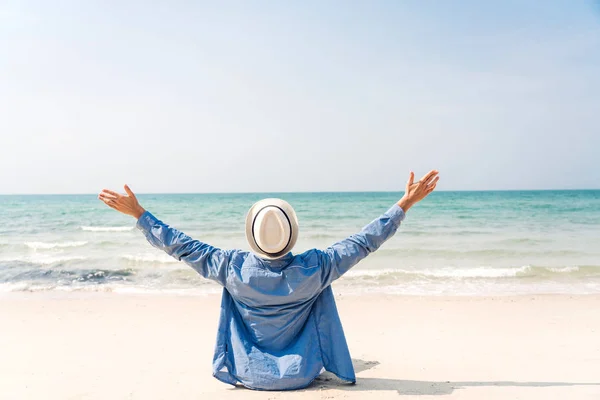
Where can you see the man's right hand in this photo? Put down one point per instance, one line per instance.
(417, 191)
(127, 204)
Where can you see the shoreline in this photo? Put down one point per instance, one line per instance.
(491, 291)
(82, 294)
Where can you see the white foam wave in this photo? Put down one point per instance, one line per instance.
(107, 228)
(31, 287)
(564, 269)
(43, 259)
(188, 291)
(53, 245)
(150, 258)
(473, 272)
(372, 272)
(426, 289)
(14, 287)
(114, 288)
(478, 272)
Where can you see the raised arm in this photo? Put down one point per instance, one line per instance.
(340, 257)
(207, 260)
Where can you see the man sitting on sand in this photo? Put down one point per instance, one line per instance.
(279, 326)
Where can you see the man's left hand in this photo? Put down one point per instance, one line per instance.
(127, 204)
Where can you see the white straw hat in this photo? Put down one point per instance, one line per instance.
(271, 228)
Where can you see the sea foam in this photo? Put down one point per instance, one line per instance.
(469, 273)
(150, 258)
(53, 245)
(43, 259)
(107, 228)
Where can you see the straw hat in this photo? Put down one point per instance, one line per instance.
(271, 228)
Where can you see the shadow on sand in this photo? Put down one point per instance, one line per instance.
(406, 387)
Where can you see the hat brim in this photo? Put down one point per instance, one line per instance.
(291, 214)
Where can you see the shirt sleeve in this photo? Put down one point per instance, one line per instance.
(340, 257)
(210, 262)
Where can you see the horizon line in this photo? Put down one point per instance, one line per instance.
(308, 192)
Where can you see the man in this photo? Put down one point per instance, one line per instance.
(279, 326)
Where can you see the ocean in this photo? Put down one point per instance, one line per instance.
(452, 243)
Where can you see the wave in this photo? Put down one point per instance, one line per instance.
(476, 272)
(150, 258)
(125, 280)
(458, 254)
(524, 240)
(441, 281)
(203, 291)
(43, 259)
(110, 288)
(526, 271)
(53, 245)
(64, 276)
(32, 287)
(329, 236)
(107, 228)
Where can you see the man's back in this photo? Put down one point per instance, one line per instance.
(274, 297)
(279, 325)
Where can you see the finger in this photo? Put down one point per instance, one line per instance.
(429, 175)
(106, 191)
(434, 181)
(434, 178)
(107, 196)
(108, 202)
(129, 192)
(108, 199)
(429, 181)
(411, 179)
(431, 188)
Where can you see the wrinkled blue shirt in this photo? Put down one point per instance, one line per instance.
(279, 325)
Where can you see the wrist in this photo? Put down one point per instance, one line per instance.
(405, 204)
(138, 212)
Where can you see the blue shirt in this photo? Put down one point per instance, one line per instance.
(279, 325)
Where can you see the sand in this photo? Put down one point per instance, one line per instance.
(124, 346)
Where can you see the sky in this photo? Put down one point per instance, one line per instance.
(271, 96)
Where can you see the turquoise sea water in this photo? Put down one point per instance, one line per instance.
(452, 243)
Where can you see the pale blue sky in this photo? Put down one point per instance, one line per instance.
(242, 96)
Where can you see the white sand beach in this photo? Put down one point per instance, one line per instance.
(117, 346)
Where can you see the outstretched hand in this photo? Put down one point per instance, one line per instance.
(127, 204)
(417, 191)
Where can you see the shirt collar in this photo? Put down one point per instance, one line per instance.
(280, 262)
